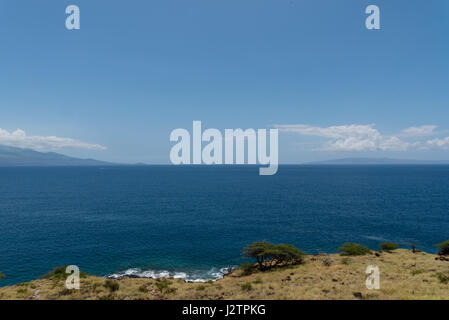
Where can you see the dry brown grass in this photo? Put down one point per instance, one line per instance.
(404, 275)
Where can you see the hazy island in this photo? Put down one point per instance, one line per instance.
(18, 157)
(377, 161)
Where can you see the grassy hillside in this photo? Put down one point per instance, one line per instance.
(403, 275)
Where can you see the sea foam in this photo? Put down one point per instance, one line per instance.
(189, 276)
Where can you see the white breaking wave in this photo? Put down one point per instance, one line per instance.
(192, 276)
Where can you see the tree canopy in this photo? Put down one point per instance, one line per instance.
(270, 255)
(444, 248)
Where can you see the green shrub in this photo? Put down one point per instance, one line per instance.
(111, 285)
(66, 292)
(416, 272)
(246, 287)
(369, 296)
(388, 246)
(171, 290)
(258, 281)
(143, 289)
(346, 261)
(444, 248)
(201, 288)
(2, 276)
(353, 249)
(247, 268)
(443, 278)
(22, 291)
(163, 285)
(59, 273)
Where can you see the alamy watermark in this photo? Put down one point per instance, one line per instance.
(233, 142)
(373, 280)
(73, 280)
(72, 22)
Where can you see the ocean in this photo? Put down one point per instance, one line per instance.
(193, 221)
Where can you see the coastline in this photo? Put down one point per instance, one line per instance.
(192, 277)
(403, 275)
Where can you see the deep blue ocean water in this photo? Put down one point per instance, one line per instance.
(196, 220)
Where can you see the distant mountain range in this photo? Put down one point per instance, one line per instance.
(375, 161)
(15, 157)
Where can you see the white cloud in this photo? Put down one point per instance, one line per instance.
(352, 137)
(372, 143)
(438, 143)
(346, 131)
(351, 144)
(20, 139)
(426, 130)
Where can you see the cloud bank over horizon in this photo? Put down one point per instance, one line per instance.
(362, 138)
(18, 138)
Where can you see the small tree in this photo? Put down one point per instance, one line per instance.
(388, 246)
(259, 250)
(270, 255)
(289, 254)
(2, 276)
(444, 248)
(112, 285)
(353, 249)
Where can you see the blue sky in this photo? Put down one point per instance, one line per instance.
(136, 70)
